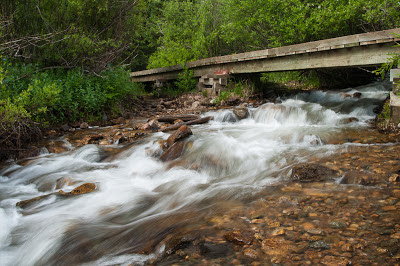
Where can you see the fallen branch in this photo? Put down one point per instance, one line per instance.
(172, 118)
(199, 121)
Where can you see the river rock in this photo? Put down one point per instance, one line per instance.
(182, 132)
(312, 173)
(357, 95)
(240, 237)
(173, 152)
(321, 244)
(337, 224)
(152, 125)
(82, 189)
(241, 112)
(179, 241)
(250, 253)
(84, 125)
(27, 203)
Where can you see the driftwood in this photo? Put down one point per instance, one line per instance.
(199, 121)
(172, 118)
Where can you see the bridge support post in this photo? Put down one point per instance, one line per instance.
(395, 96)
(213, 84)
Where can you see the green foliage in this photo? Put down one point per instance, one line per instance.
(190, 30)
(223, 97)
(186, 81)
(385, 114)
(293, 79)
(89, 34)
(393, 61)
(58, 96)
(238, 89)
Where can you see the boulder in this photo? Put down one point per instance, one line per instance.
(182, 132)
(241, 112)
(84, 125)
(312, 173)
(173, 152)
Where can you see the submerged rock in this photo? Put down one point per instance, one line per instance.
(241, 237)
(312, 173)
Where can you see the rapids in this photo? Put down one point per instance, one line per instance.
(139, 199)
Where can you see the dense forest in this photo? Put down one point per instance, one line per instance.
(69, 60)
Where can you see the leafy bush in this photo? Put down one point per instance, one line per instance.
(186, 81)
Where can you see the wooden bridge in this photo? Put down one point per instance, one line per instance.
(360, 50)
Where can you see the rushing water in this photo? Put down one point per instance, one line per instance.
(139, 198)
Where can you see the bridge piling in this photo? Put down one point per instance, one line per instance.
(395, 96)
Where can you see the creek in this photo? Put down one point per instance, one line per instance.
(140, 201)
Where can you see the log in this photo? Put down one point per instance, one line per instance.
(199, 121)
(172, 118)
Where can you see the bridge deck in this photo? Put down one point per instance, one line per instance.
(365, 49)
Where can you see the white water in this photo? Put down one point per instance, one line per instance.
(227, 160)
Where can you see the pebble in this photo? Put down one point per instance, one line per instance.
(321, 244)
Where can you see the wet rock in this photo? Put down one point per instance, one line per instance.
(182, 132)
(163, 144)
(312, 173)
(241, 112)
(250, 253)
(152, 125)
(27, 203)
(394, 178)
(239, 237)
(84, 125)
(214, 251)
(337, 224)
(357, 95)
(333, 260)
(351, 119)
(57, 147)
(315, 231)
(277, 246)
(82, 189)
(179, 242)
(173, 152)
(321, 244)
(278, 232)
